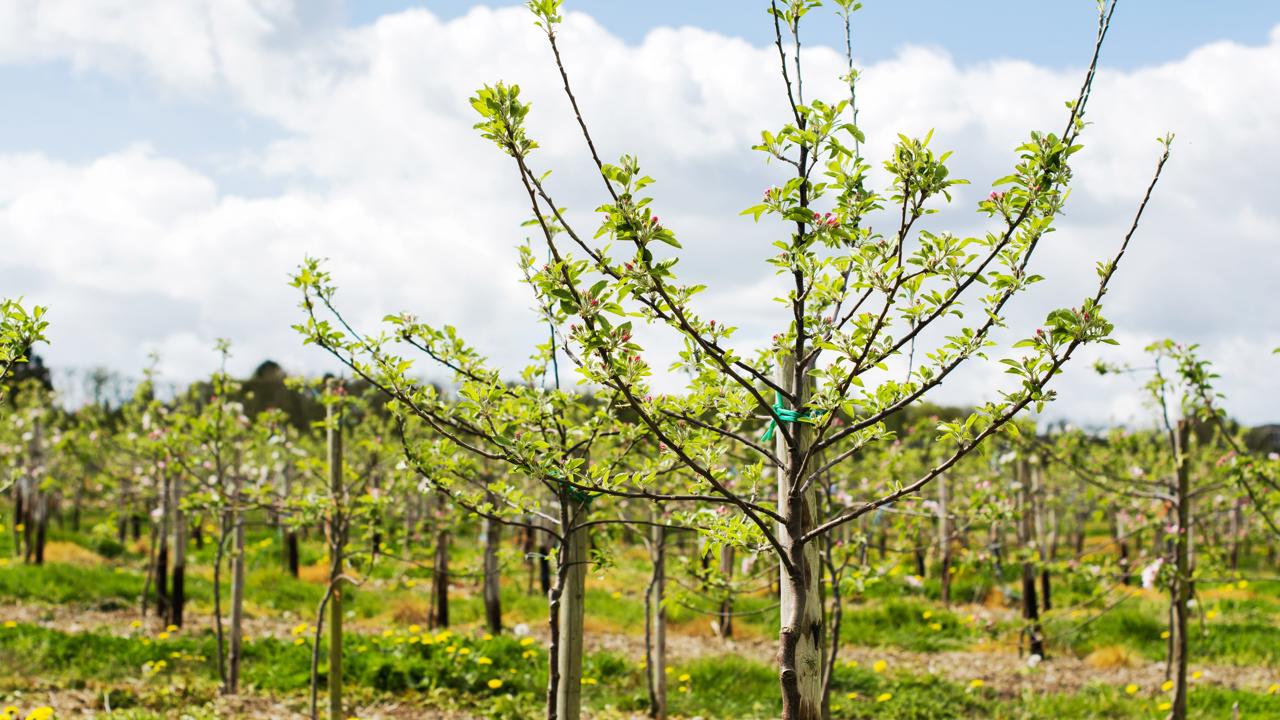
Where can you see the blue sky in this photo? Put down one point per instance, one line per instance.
(164, 164)
(1046, 32)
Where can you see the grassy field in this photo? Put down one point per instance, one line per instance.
(72, 638)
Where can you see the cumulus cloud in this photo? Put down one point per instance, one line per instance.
(376, 167)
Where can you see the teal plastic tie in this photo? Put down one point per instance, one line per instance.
(785, 414)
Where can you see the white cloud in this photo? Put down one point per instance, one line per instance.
(380, 171)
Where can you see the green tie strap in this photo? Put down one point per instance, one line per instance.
(785, 414)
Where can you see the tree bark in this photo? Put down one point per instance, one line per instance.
(724, 618)
(440, 581)
(1026, 535)
(1182, 580)
(178, 596)
(574, 557)
(801, 644)
(237, 588)
(656, 626)
(492, 576)
(944, 541)
(337, 550)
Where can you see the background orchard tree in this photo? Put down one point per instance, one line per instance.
(19, 330)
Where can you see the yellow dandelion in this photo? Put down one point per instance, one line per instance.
(528, 654)
(589, 681)
(1242, 584)
(162, 636)
(1164, 635)
(1131, 689)
(484, 661)
(298, 629)
(415, 629)
(10, 624)
(1166, 686)
(616, 595)
(171, 628)
(486, 637)
(387, 633)
(684, 688)
(43, 712)
(428, 640)
(464, 651)
(884, 697)
(976, 683)
(926, 614)
(135, 624)
(935, 626)
(1164, 706)
(880, 666)
(526, 642)
(299, 641)
(684, 678)
(410, 584)
(1211, 614)
(451, 649)
(494, 684)
(852, 696)
(1273, 689)
(1197, 675)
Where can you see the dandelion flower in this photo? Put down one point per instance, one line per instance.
(935, 626)
(415, 629)
(299, 641)
(464, 651)
(1275, 688)
(162, 636)
(684, 678)
(1164, 635)
(43, 712)
(880, 666)
(976, 683)
(852, 696)
(135, 624)
(589, 681)
(494, 684)
(484, 661)
(927, 614)
(1211, 614)
(1242, 584)
(10, 624)
(1131, 689)
(884, 697)
(526, 642)
(1197, 675)
(1164, 706)
(1166, 686)
(171, 628)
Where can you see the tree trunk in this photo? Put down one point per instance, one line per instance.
(337, 550)
(724, 618)
(1026, 535)
(1182, 580)
(178, 596)
(492, 576)
(161, 569)
(440, 581)
(574, 557)
(944, 541)
(801, 644)
(656, 627)
(237, 589)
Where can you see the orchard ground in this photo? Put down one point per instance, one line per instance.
(72, 639)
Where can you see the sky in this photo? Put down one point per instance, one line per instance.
(165, 164)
